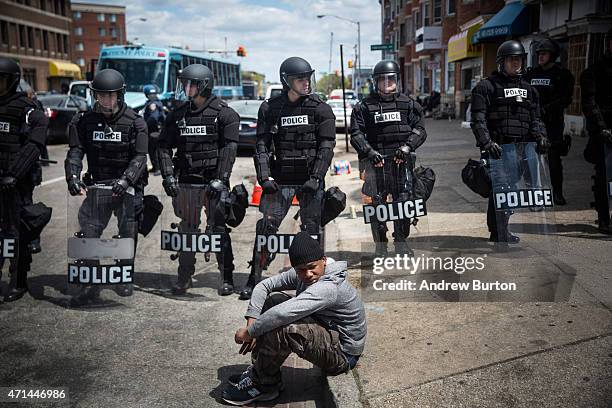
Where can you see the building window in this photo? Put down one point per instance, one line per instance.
(102, 32)
(65, 42)
(4, 32)
(30, 37)
(409, 30)
(425, 13)
(113, 32)
(402, 34)
(113, 18)
(22, 36)
(43, 5)
(29, 75)
(78, 30)
(79, 46)
(45, 38)
(449, 79)
(101, 17)
(58, 41)
(450, 7)
(62, 7)
(81, 62)
(76, 15)
(437, 11)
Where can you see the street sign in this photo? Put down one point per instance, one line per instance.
(381, 47)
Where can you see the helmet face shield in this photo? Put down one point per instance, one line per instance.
(303, 84)
(387, 84)
(107, 101)
(187, 89)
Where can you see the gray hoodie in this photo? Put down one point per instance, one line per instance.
(331, 300)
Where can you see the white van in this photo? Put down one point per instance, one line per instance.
(273, 90)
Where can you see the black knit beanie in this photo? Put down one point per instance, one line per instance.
(304, 249)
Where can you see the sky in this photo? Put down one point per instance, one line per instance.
(270, 31)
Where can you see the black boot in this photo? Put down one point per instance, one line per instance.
(604, 225)
(247, 291)
(125, 289)
(18, 287)
(227, 287)
(87, 294)
(182, 284)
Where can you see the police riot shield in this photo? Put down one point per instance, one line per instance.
(102, 232)
(281, 216)
(521, 202)
(392, 202)
(9, 234)
(193, 243)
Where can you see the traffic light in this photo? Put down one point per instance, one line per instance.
(350, 63)
(241, 52)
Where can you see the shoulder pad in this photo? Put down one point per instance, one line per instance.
(315, 98)
(275, 98)
(130, 113)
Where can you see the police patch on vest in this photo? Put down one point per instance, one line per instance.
(387, 117)
(540, 81)
(294, 120)
(99, 136)
(193, 130)
(276, 243)
(536, 197)
(190, 242)
(5, 127)
(512, 92)
(100, 274)
(397, 210)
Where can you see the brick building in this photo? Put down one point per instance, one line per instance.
(36, 33)
(93, 26)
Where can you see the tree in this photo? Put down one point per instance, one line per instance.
(327, 82)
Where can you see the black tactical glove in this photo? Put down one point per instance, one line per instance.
(269, 186)
(375, 157)
(606, 136)
(120, 186)
(170, 184)
(75, 185)
(311, 186)
(543, 145)
(7, 183)
(215, 188)
(494, 150)
(403, 153)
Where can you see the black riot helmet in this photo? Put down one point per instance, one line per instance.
(10, 74)
(296, 68)
(194, 77)
(507, 49)
(385, 76)
(108, 87)
(550, 46)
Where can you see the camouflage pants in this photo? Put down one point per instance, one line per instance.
(305, 337)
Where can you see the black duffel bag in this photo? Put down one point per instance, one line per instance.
(424, 180)
(476, 176)
(334, 202)
(237, 205)
(34, 218)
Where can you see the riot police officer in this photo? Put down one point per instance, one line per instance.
(206, 157)
(555, 86)
(375, 136)
(296, 135)
(596, 97)
(154, 114)
(505, 109)
(114, 139)
(23, 135)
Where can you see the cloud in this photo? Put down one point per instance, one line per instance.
(269, 30)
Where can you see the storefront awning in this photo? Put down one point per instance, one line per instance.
(64, 69)
(512, 20)
(460, 45)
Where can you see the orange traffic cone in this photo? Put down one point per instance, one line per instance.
(256, 196)
(295, 200)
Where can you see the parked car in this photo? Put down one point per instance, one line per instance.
(81, 88)
(337, 94)
(273, 90)
(338, 109)
(60, 109)
(247, 109)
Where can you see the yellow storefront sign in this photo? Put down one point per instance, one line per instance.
(64, 69)
(460, 45)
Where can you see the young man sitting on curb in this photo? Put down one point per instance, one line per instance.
(324, 323)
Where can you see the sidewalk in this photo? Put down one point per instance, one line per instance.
(482, 354)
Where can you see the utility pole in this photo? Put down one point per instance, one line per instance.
(343, 97)
(331, 45)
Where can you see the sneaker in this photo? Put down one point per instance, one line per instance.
(234, 379)
(246, 391)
